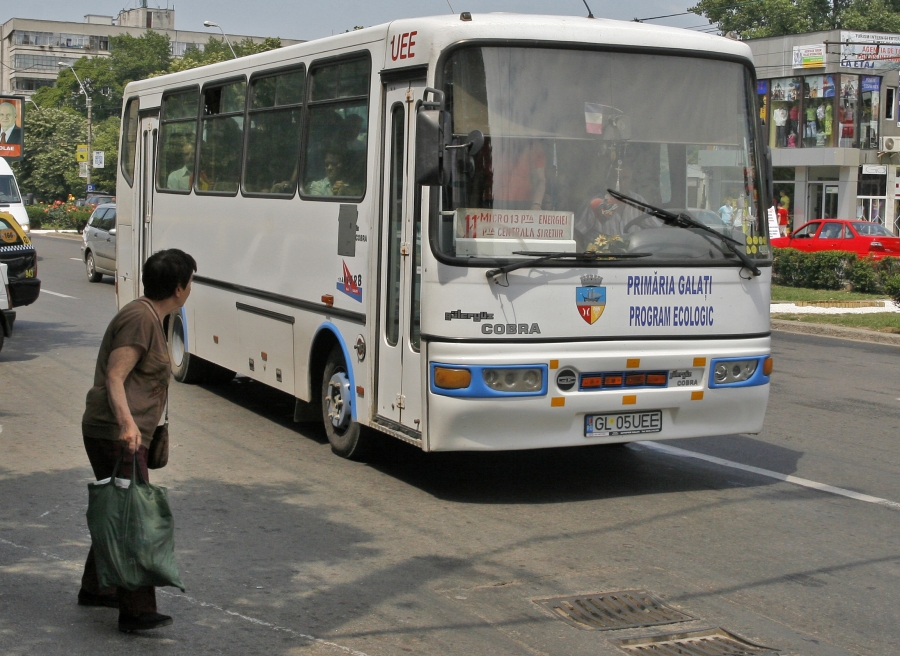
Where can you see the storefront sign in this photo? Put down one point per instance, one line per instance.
(762, 87)
(870, 50)
(870, 83)
(809, 56)
(874, 169)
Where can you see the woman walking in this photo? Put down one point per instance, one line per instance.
(126, 404)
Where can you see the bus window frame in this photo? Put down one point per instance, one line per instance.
(213, 84)
(273, 72)
(687, 53)
(162, 122)
(126, 125)
(308, 104)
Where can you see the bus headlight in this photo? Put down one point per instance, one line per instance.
(740, 372)
(513, 380)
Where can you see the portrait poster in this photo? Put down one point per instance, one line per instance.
(12, 127)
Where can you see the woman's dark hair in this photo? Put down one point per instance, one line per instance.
(165, 271)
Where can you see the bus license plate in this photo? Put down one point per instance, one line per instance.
(623, 423)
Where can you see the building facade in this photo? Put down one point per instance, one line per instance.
(30, 50)
(829, 108)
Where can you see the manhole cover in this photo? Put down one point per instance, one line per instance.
(706, 642)
(613, 610)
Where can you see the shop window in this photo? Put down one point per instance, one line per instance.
(889, 95)
(762, 96)
(818, 111)
(848, 137)
(785, 106)
(870, 91)
(783, 173)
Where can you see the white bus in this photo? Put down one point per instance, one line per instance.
(474, 232)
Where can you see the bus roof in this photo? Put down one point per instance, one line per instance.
(419, 41)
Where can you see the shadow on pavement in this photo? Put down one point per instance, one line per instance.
(32, 339)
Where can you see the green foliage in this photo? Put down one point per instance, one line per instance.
(106, 138)
(36, 216)
(833, 270)
(217, 50)
(892, 288)
(751, 20)
(61, 215)
(49, 169)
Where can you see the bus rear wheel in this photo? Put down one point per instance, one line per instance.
(346, 436)
(185, 367)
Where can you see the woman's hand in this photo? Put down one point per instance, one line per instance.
(131, 435)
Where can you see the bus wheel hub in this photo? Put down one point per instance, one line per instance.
(338, 400)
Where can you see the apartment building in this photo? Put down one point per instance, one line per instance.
(30, 50)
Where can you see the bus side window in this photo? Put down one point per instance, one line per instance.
(272, 159)
(177, 139)
(129, 139)
(221, 138)
(337, 138)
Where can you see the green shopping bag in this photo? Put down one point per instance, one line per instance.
(132, 532)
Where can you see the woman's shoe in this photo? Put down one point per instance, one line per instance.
(143, 622)
(90, 599)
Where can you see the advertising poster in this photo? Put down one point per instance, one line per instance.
(870, 50)
(809, 56)
(12, 127)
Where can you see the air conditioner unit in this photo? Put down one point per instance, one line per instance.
(890, 145)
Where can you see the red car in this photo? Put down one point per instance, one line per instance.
(860, 237)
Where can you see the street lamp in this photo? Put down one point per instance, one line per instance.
(88, 104)
(225, 36)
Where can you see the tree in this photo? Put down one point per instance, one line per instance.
(762, 18)
(217, 50)
(49, 169)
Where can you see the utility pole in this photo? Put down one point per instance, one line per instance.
(89, 131)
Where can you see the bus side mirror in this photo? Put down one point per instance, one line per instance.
(432, 136)
(430, 142)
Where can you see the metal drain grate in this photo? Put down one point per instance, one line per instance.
(707, 642)
(609, 611)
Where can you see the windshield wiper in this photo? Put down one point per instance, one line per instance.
(682, 220)
(587, 256)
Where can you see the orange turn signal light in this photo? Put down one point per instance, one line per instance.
(635, 380)
(592, 381)
(452, 378)
(768, 365)
(657, 379)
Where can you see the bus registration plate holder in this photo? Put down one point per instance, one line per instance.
(623, 423)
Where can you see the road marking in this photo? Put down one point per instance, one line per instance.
(47, 291)
(77, 259)
(822, 487)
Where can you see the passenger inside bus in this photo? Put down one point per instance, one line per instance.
(182, 178)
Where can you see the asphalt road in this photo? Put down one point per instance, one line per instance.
(287, 549)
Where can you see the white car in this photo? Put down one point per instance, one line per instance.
(10, 198)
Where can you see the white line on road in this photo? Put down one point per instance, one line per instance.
(822, 487)
(47, 291)
(77, 259)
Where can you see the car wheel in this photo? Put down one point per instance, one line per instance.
(186, 368)
(92, 274)
(347, 437)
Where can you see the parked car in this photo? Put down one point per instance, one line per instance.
(7, 314)
(10, 198)
(96, 198)
(99, 249)
(860, 237)
(17, 252)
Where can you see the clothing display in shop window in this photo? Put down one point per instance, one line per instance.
(780, 117)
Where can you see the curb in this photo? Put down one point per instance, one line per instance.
(837, 332)
(73, 236)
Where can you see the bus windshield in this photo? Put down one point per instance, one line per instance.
(561, 127)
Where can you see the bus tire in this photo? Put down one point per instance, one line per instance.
(91, 269)
(346, 436)
(186, 368)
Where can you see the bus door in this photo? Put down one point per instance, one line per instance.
(147, 159)
(399, 363)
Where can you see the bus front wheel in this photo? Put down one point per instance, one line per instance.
(346, 436)
(185, 367)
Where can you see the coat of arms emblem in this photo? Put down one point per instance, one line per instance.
(590, 298)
